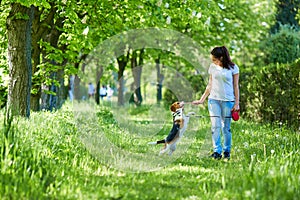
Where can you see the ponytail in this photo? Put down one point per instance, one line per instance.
(223, 54)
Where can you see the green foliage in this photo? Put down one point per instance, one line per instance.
(29, 3)
(3, 55)
(106, 117)
(199, 84)
(169, 97)
(139, 109)
(30, 162)
(282, 47)
(271, 94)
(85, 24)
(298, 16)
(21, 16)
(3, 93)
(286, 14)
(46, 160)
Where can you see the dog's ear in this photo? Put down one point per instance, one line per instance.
(173, 108)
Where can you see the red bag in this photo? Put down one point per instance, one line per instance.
(235, 115)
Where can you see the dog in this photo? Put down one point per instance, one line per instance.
(180, 122)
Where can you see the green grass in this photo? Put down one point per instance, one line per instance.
(94, 154)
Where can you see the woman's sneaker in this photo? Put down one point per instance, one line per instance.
(216, 155)
(227, 155)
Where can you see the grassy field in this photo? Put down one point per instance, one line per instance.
(88, 152)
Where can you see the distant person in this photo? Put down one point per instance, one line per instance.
(103, 92)
(110, 92)
(70, 93)
(91, 90)
(71, 87)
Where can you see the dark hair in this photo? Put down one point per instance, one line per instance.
(223, 54)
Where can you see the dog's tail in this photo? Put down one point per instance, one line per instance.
(157, 142)
(152, 143)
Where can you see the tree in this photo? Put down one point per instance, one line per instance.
(281, 47)
(239, 25)
(136, 68)
(286, 14)
(19, 24)
(159, 81)
(122, 62)
(4, 71)
(43, 22)
(282, 44)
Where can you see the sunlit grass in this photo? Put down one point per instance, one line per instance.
(62, 155)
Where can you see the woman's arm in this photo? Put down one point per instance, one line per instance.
(206, 92)
(236, 90)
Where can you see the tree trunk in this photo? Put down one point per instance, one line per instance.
(61, 89)
(44, 97)
(36, 53)
(122, 65)
(139, 75)
(99, 75)
(137, 72)
(159, 81)
(57, 95)
(39, 31)
(19, 59)
(36, 80)
(52, 97)
(78, 94)
(122, 62)
(55, 100)
(97, 98)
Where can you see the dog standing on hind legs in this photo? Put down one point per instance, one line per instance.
(180, 122)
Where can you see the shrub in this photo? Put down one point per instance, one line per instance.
(272, 94)
(3, 95)
(3, 86)
(282, 47)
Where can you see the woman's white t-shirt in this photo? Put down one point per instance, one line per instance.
(222, 82)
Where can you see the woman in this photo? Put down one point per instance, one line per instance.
(223, 91)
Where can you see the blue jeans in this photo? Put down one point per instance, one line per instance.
(220, 112)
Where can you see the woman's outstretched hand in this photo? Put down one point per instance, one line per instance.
(197, 102)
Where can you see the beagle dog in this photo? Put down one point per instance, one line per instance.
(180, 122)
